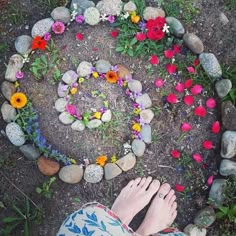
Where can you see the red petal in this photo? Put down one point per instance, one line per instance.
(159, 82)
(210, 180)
(176, 48)
(191, 70)
(179, 188)
(154, 60)
(196, 89)
(79, 36)
(179, 87)
(140, 36)
(200, 111)
(211, 103)
(188, 100)
(185, 127)
(172, 98)
(175, 154)
(171, 68)
(169, 53)
(114, 33)
(196, 62)
(188, 83)
(207, 144)
(215, 127)
(197, 157)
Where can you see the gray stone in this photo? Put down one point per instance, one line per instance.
(216, 192)
(70, 77)
(144, 100)
(146, 116)
(223, 87)
(15, 134)
(7, 89)
(146, 133)
(110, 7)
(135, 86)
(8, 112)
(130, 6)
(194, 230)
(84, 68)
(111, 171)
(71, 174)
(138, 147)
(103, 66)
(228, 113)
(66, 118)
(92, 16)
(193, 42)
(107, 115)
(211, 65)
(23, 44)
(176, 26)
(94, 123)
(15, 64)
(224, 19)
(62, 90)
(228, 144)
(78, 125)
(61, 14)
(152, 13)
(205, 217)
(127, 162)
(227, 168)
(93, 173)
(42, 27)
(60, 104)
(80, 6)
(30, 152)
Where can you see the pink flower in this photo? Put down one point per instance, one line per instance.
(169, 53)
(188, 100)
(215, 128)
(19, 74)
(71, 109)
(140, 36)
(185, 127)
(47, 36)
(172, 98)
(179, 188)
(200, 111)
(197, 157)
(196, 89)
(58, 27)
(159, 82)
(210, 180)
(111, 19)
(176, 48)
(154, 60)
(191, 70)
(114, 33)
(207, 144)
(79, 37)
(171, 68)
(79, 19)
(179, 87)
(188, 83)
(211, 103)
(175, 154)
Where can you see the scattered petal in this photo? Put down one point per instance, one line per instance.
(215, 128)
(179, 188)
(210, 180)
(154, 60)
(175, 154)
(196, 89)
(188, 100)
(200, 111)
(179, 87)
(207, 144)
(196, 62)
(191, 70)
(172, 98)
(197, 157)
(159, 82)
(140, 36)
(79, 36)
(169, 53)
(176, 48)
(211, 103)
(188, 83)
(185, 127)
(171, 68)
(114, 33)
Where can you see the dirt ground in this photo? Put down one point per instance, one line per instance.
(216, 38)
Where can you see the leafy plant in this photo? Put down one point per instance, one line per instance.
(227, 213)
(39, 67)
(45, 189)
(4, 47)
(230, 4)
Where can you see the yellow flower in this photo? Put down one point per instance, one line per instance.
(101, 160)
(135, 19)
(18, 100)
(95, 75)
(133, 13)
(113, 159)
(137, 111)
(125, 83)
(73, 91)
(81, 80)
(97, 115)
(136, 127)
(17, 84)
(73, 161)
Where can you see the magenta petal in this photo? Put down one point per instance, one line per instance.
(179, 87)
(197, 157)
(159, 82)
(196, 89)
(210, 180)
(211, 103)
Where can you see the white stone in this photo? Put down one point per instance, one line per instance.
(93, 173)
(70, 77)
(23, 44)
(94, 124)
(66, 118)
(92, 16)
(228, 144)
(84, 68)
(15, 134)
(71, 174)
(135, 86)
(60, 104)
(106, 117)
(146, 116)
(144, 100)
(42, 27)
(8, 112)
(78, 125)
(61, 14)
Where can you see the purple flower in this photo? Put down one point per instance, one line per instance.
(120, 82)
(111, 19)
(74, 85)
(114, 68)
(78, 116)
(58, 27)
(142, 25)
(128, 78)
(71, 109)
(102, 109)
(19, 74)
(93, 69)
(128, 92)
(135, 105)
(79, 19)
(47, 36)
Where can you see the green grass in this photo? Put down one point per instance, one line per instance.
(50, 4)
(3, 47)
(15, 15)
(230, 4)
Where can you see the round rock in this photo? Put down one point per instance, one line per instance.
(130, 6)
(71, 174)
(223, 87)
(61, 14)
(205, 217)
(8, 112)
(176, 26)
(146, 116)
(152, 13)
(60, 104)
(15, 134)
(66, 118)
(146, 134)
(103, 66)
(94, 123)
(111, 171)
(70, 77)
(216, 192)
(110, 7)
(62, 90)
(194, 230)
(80, 6)
(228, 144)
(48, 166)
(92, 16)
(23, 44)
(127, 162)
(93, 173)
(7, 89)
(228, 113)
(78, 125)
(138, 147)
(42, 27)
(135, 86)
(84, 68)
(107, 115)
(211, 65)
(30, 152)
(123, 72)
(194, 43)
(227, 168)
(144, 100)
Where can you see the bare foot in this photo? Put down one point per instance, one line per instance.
(161, 213)
(134, 197)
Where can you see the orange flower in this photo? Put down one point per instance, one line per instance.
(111, 77)
(18, 100)
(39, 43)
(135, 19)
(101, 160)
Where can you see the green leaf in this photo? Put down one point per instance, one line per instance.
(119, 49)
(44, 59)
(133, 41)
(130, 52)
(38, 190)
(26, 229)
(10, 219)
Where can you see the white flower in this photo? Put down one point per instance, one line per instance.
(166, 28)
(75, 5)
(103, 17)
(124, 16)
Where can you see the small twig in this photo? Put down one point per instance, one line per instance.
(19, 190)
(163, 166)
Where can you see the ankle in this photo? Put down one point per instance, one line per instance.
(141, 231)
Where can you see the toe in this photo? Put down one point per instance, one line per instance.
(130, 184)
(147, 183)
(173, 216)
(173, 207)
(170, 195)
(143, 181)
(172, 199)
(137, 181)
(163, 191)
(154, 186)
